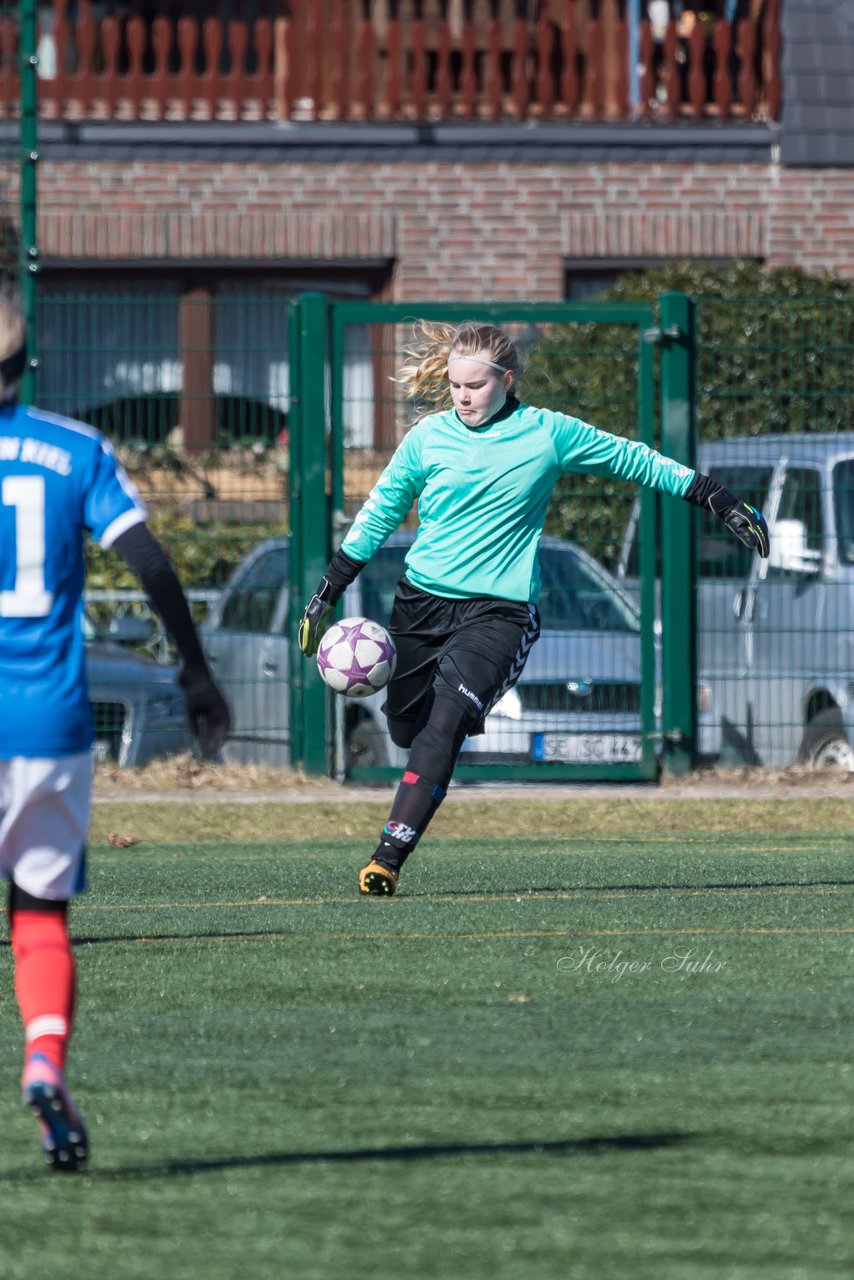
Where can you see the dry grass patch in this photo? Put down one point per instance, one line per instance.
(166, 822)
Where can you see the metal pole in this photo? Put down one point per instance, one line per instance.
(678, 526)
(633, 14)
(28, 261)
(309, 512)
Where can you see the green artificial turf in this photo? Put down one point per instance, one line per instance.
(511, 1070)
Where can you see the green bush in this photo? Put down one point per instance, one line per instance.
(203, 555)
(773, 354)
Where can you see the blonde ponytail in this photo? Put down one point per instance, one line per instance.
(424, 375)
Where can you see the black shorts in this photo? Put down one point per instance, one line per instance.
(473, 650)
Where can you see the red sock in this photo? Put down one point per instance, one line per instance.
(44, 981)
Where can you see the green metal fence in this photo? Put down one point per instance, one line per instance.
(774, 405)
(255, 424)
(585, 706)
(776, 413)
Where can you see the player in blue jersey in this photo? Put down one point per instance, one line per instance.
(59, 481)
(482, 468)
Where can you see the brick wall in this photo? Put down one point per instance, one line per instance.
(452, 230)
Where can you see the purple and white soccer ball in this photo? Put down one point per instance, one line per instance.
(356, 657)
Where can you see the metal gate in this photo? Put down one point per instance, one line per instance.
(586, 705)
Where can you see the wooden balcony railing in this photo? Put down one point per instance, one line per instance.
(360, 60)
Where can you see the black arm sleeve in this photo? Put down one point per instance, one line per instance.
(703, 491)
(341, 572)
(144, 554)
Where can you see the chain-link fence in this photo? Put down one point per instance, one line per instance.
(774, 404)
(196, 390)
(10, 118)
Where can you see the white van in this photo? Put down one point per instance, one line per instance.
(776, 636)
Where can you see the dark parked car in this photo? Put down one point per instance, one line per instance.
(137, 704)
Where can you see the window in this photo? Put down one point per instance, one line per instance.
(801, 500)
(588, 278)
(843, 502)
(137, 353)
(251, 603)
(719, 554)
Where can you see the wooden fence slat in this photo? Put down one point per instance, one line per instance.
(84, 87)
(237, 38)
(544, 88)
(212, 87)
(418, 69)
(135, 79)
(261, 80)
(646, 83)
(492, 80)
(9, 80)
(443, 70)
(313, 61)
(697, 70)
(161, 40)
(570, 84)
(366, 56)
(111, 37)
(340, 39)
(440, 59)
(521, 89)
(621, 74)
(185, 78)
(671, 77)
(772, 46)
(722, 87)
(468, 82)
(595, 90)
(393, 82)
(746, 50)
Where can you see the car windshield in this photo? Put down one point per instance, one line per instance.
(843, 502)
(575, 596)
(251, 603)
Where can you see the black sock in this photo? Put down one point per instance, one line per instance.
(416, 801)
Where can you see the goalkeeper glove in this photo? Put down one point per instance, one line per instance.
(744, 520)
(314, 618)
(342, 570)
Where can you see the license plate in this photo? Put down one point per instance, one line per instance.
(586, 748)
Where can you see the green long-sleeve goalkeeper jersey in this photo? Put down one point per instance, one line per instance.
(483, 493)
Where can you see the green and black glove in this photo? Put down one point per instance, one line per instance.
(341, 572)
(744, 520)
(314, 617)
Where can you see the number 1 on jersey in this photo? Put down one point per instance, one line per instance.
(28, 598)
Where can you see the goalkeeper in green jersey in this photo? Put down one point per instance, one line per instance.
(482, 467)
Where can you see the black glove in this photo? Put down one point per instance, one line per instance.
(207, 710)
(342, 570)
(748, 525)
(745, 521)
(313, 621)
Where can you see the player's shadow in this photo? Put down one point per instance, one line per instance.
(283, 1159)
(83, 940)
(532, 891)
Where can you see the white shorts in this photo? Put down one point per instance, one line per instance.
(44, 817)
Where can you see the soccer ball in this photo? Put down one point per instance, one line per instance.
(356, 657)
